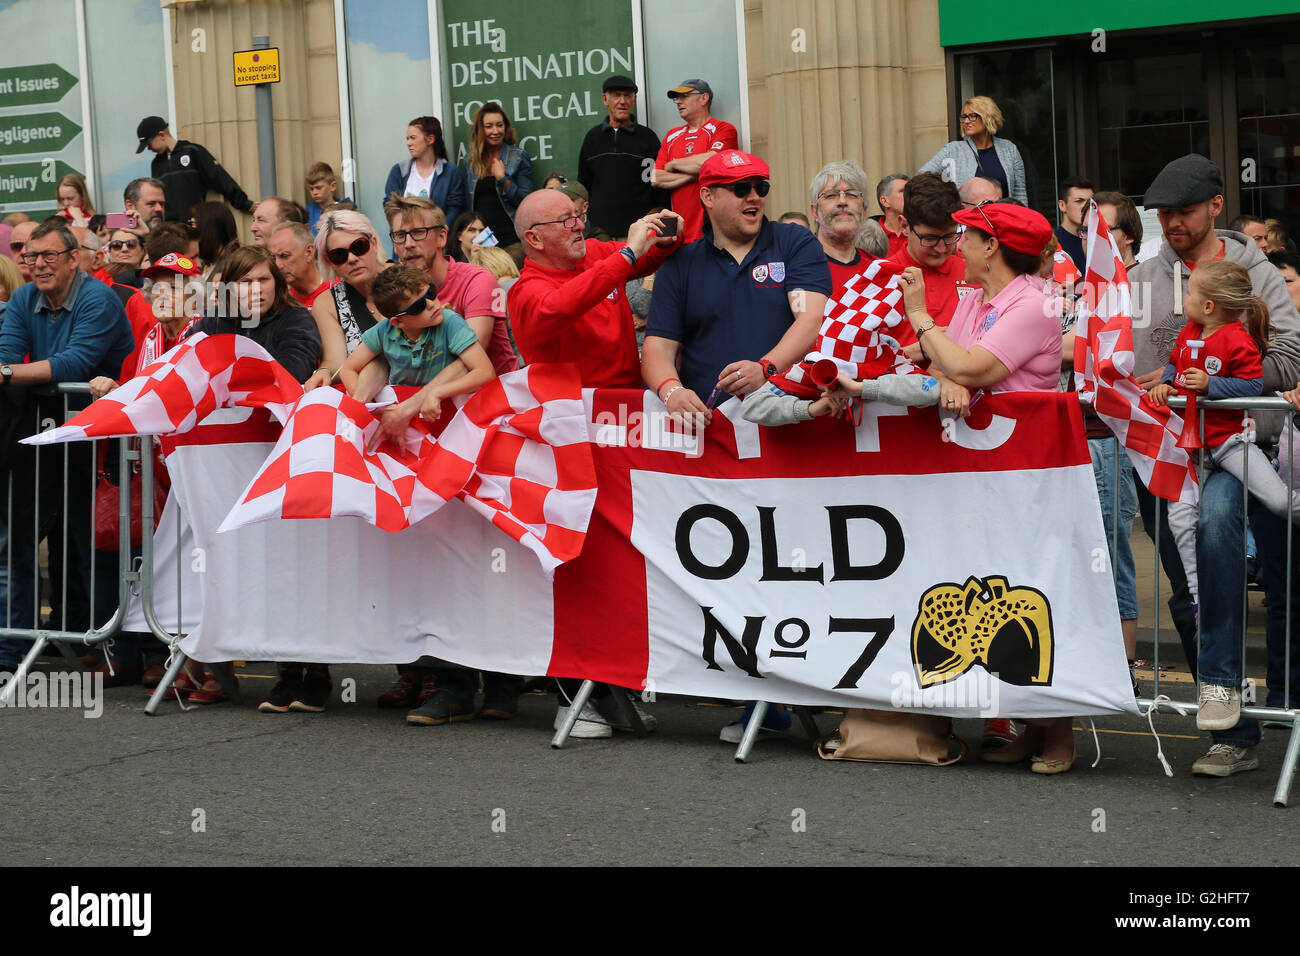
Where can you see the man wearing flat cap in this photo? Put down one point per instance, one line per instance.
(186, 170)
(1188, 196)
(615, 164)
(687, 148)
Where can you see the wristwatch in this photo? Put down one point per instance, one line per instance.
(768, 367)
(6, 373)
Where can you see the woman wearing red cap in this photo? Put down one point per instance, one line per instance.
(1004, 337)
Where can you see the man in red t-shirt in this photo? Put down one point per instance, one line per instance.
(294, 250)
(685, 149)
(838, 205)
(929, 202)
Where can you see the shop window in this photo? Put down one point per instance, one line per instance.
(1268, 131)
(1021, 83)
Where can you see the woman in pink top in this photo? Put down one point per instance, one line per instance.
(1004, 337)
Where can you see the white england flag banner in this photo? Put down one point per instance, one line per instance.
(895, 564)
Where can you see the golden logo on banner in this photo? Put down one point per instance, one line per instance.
(1006, 630)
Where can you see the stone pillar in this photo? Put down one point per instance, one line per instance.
(843, 79)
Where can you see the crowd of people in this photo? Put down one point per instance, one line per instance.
(657, 267)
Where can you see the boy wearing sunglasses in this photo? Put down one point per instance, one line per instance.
(424, 342)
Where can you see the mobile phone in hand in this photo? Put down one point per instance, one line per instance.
(669, 229)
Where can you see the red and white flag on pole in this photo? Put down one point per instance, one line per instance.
(1103, 373)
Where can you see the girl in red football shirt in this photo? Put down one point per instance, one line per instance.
(1219, 354)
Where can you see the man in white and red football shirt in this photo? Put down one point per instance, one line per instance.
(837, 199)
(685, 149)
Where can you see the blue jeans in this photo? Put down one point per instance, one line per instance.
(1103, 452)
(1180, 600)
(1221, 564)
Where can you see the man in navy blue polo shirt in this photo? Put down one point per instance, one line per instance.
(63, 326)
(739, 305)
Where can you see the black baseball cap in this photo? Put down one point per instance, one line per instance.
(149, 127)
(619, 82)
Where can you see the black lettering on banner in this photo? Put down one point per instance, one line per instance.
(845, 569)
(780, 639)
(773, 570)
(739, 542)
(879, 627)
(744, 653)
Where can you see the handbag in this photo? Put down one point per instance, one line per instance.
(107, 495)
(881, 736)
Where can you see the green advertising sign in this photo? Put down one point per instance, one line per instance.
(961, 22)
(34, 85)
(544, 69)
(32, 182)
(36, 133)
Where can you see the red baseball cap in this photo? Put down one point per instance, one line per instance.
(181, 265)
(731, 166)
(1014, 226)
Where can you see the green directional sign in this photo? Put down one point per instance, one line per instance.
(34, 85)
(31, 182)
(36, 133)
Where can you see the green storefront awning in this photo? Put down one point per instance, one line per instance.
(962, 22)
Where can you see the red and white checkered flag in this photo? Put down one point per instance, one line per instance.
(516, 452)
(1103, 373)
(857, 331)
(175, 393)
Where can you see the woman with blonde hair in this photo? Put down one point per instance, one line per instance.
(74, 199)
(498, 175)
(980, 153)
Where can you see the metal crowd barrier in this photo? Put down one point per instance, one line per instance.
(1162, 702)
(53, 526)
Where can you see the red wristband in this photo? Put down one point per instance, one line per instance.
(660, 388)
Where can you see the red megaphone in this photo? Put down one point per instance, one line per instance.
(1190, 439)
(825, 373)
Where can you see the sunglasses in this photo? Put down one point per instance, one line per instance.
(124, 244)
(417, 307)
(358, 248)
(741, 190)
(979, 207)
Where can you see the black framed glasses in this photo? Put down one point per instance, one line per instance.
(948, 238)
(119, 244)
(968, 116)
(49, 258)
(358, 247)
(568, 222)
(399, 236)
(979, 207)
(741, 189)
(417, 307)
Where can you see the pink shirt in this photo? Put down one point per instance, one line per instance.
(472, 291)
(1021, 327)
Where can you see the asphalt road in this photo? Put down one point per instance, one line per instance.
(356, 785)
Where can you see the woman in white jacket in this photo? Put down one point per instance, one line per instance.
(980, 153)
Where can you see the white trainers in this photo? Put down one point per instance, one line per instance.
(1223, 760)
(610, 712)
(589, 726)
(1219, 708)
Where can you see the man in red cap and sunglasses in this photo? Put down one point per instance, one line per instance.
(740, 306)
